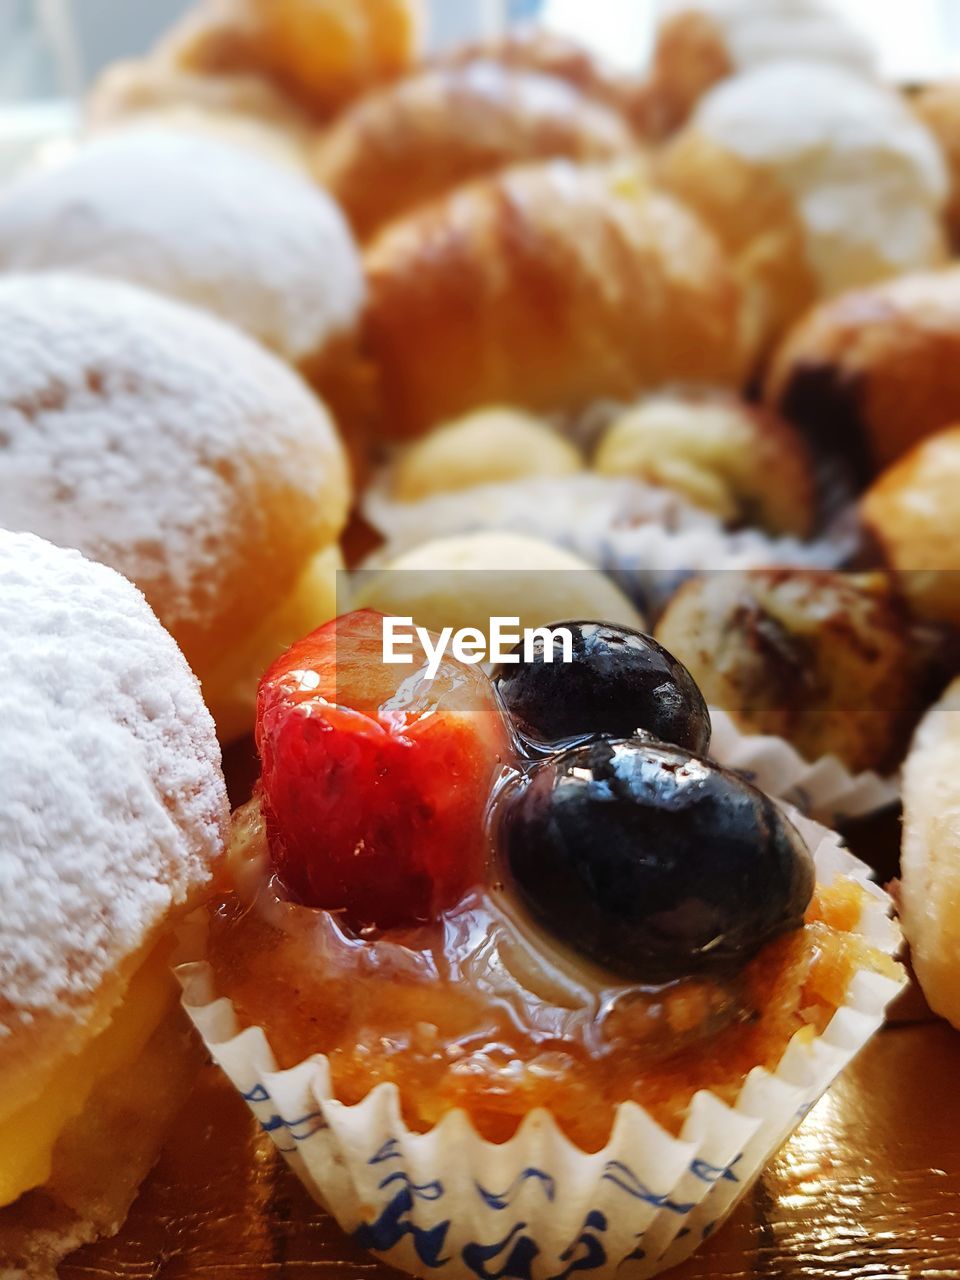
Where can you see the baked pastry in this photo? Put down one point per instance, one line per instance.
(245, 110)
(112, 827)
(454, 909)
(873, 372)
(536, 48)
(938, 106)
(465, 580)
(421, 136)
(582, 283)
(701, 42)
(734, 459)
(162, 442)
(912, 516)
(322, 53)
(814, 179)
(488, 446)
(824, 660)
(207, 223)
(929, 892)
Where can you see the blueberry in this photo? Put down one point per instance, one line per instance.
(650, 861)
(619, 683)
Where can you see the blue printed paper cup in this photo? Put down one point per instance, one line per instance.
(449, 1204)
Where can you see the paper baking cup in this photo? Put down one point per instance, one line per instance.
(447, 1203)
(825, 789)
(633, 530)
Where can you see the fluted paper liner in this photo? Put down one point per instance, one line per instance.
(633, 530)
(824, 789)
(447, 1203)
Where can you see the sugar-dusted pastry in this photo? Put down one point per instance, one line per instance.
(415, 139)
(244, 109)
(869, 374)
(824, 660)
(700, 42)
(522, 945)
(734, 459)
(113, 813)
(929, 895)
(321, 52)
(913, 517)
(163, 442)
(548, 286)
(205, 222)
(815, 180)
(465, 580)
(488, 446)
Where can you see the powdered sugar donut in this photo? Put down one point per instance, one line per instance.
(815, 179)
(162, 442)
(112, 818)
(203, 221)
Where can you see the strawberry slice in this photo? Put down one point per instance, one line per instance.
(375, 782)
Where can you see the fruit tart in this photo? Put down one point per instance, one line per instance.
(519, 979)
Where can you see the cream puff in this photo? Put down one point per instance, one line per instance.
(700, 42)
(465, 580)
(740, 462)
(112, 827)
(815, 179)
(161, 441)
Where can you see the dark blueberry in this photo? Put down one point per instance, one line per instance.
(620, 682)
(653, 862)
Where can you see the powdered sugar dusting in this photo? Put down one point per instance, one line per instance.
(112, 803)
(160, 441)
(197, 219)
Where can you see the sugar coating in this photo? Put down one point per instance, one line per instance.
(198, 219)
(867, 178)
(158, 440)
(112, 802)
(757, 31)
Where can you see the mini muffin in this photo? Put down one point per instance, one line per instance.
(929, 894)
(700, 42)
(913, 516)
(582, 283)
(416, 139)
(815, 179)
(738, 461)
(206, 223)
(873, 372)
(463, 581)
(162, 442)
(824, 660)
(245, 110)
(113, 813)
(322, 53)
(522, 943)
(488, 446)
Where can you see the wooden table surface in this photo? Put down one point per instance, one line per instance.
(867, 1189)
